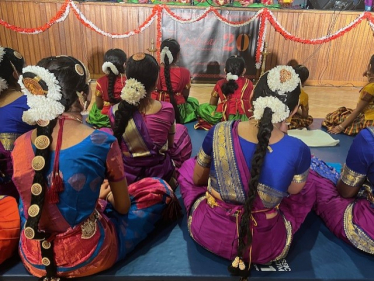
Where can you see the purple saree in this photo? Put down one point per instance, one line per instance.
(145, 145)
(210, 219)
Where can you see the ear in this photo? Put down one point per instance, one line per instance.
(15, 75)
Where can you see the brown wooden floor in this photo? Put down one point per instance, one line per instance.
(322, 100)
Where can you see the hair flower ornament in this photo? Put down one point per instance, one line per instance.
(43, 94)
(230, 76)
(3, 83)
(166, 52)
(111, 66)
(282, 79)
(133, 91)
(280, 110)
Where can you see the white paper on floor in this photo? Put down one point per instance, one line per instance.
(313, 138)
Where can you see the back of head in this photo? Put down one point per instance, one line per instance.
(234, 67)
(371, 64)
(142, 73)
(118, 58)
(52, 87)
(275, 96)
(302, 71)
(174, 48)
(113, 66)
(144, 68)
(170, 49)
(11, 62)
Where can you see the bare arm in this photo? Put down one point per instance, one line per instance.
(214, 98)
(200, 175)
(347, 191)
(186, 93)
(99, 102)
(359, 108)
(304, 111)
(120, 198)
(295, 187)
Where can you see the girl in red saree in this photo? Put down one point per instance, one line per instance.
(174, 83)
(108, 87)
(230, 99)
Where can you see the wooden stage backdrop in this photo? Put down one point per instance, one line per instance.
(340, 62)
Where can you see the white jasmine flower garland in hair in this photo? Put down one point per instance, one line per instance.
(133, 91)
(166, 51)
(42, 107)
(230, 76)
(110, 65)
(282, 79)
(280, 110)
(3, 83)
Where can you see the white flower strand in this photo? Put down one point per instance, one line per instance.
(282, 87)
(3, 84)
(133, 92)
(166, 52)
(230, 76)
(279, 109)
(2, 53)
(42, 107)
(110, 65)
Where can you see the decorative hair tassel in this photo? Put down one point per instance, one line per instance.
(238, 268)
(56, 187)
(173, 210)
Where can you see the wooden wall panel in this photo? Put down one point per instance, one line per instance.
(340, 62)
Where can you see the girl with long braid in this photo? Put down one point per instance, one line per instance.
(152, 144)
(108, 88)
(174, 83)
(73, 224)
(230, 97)
(246, 193)
(12, 105)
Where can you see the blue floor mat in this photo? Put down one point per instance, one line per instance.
(169, 253)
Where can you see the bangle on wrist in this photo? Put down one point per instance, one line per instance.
(107, 197)
(341, 127)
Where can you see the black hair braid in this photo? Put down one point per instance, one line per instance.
(263, 136)
(39, 175)
(170, 89)
(122, 116)
(234, 65)
(229, 87)
(111, 80)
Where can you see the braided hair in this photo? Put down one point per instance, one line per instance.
(145, 69)
(174, 48)
(118, 58)
(11, 61)
(265, 128)
(72, 77)
(234, 65)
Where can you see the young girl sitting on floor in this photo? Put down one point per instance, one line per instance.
(174, 83)
(108, 87)
(351, 122)
(301, 119)
(234, 94)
